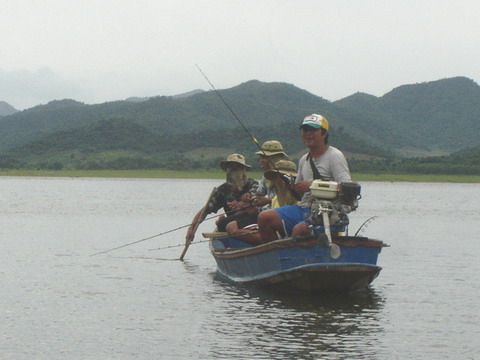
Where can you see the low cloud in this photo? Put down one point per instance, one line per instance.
(24, 89)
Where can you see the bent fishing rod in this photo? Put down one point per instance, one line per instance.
(169, 231)
(252, 138)
(365, 223)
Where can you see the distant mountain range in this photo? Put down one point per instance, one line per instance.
(440, 115)
(437, 117)
(183, 95)
(6, 109)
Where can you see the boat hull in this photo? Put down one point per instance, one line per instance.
(304, 266)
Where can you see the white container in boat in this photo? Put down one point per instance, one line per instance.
(322, 189)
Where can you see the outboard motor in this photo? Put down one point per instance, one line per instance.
(330, 205)
(349, 195)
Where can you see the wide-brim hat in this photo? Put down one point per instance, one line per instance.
(286, 167)
(315, 121)
(234, 158)
(270, 148)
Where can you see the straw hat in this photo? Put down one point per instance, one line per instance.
(233, 158)
(286, 167)
(271, 147)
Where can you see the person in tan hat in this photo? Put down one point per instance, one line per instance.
(271, 152)
(272, 148)
(321, 162)
(283, 196)
(227, 196)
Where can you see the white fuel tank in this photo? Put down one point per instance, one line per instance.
(324, 190)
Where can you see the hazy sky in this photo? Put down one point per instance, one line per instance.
(102, 50)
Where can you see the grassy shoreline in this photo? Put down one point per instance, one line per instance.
(218, 174)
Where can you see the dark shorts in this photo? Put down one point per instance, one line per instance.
(243, 219)
(292, 215)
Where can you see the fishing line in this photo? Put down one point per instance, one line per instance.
(178, 245)
(202, 241)
(255, 141)
(169, 231)
(231, 110)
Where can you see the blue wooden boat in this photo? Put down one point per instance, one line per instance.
(306, 265)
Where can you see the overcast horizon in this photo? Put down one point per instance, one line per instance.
(100, 51)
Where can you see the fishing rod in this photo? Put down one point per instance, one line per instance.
(178, 245)
(252, 138)
(365, 223)
(203, 241)
(169, 231)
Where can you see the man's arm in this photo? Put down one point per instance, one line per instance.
(197, 219)
(340, 170)
(302, 185)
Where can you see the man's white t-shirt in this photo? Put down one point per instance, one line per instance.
(331, 165)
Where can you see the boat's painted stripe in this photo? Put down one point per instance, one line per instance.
(308, 267)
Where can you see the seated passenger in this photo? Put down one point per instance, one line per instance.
(271, 152)
(282, 179)
(226, 196)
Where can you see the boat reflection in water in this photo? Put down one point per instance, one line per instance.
(296, 325)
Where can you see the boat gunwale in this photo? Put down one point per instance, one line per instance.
(288, 243)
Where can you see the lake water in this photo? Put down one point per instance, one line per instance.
(58, 302)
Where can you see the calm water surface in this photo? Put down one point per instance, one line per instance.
(58, 302)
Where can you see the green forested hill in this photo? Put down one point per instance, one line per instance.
(257, 103)
(435, 117)
(112, 134)
(102, 143)
(465, 162)
(443, 114)
(440, 115)
(123, 144)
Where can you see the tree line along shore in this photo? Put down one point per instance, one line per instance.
(218, 174)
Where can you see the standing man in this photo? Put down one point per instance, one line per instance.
(322, 162)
